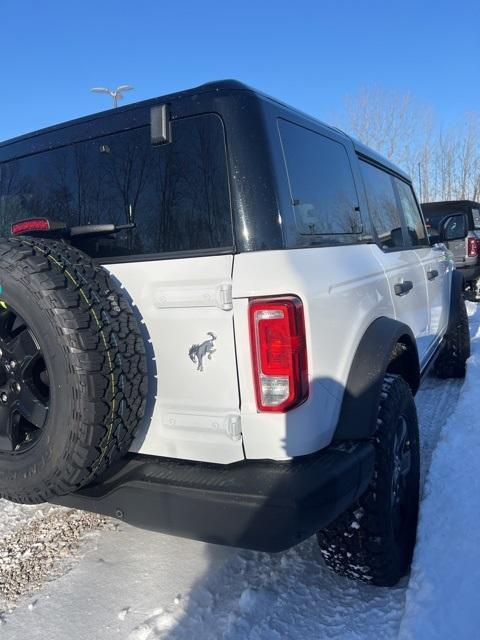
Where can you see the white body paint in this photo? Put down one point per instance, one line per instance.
(211, 415)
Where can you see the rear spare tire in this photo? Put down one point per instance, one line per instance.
(73, 378)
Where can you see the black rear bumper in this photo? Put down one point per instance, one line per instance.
(263, 505)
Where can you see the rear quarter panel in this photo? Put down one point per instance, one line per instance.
(343, 289)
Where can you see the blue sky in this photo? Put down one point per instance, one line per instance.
(309, 54)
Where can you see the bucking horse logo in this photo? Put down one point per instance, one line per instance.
(199, 351)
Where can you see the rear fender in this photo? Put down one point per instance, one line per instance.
(372, 360)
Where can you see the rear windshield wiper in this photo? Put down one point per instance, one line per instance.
(99, 229)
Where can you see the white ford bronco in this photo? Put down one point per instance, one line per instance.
(215, 312)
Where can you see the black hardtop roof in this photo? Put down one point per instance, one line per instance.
(445, 204)
(220, 86)
(223, 85)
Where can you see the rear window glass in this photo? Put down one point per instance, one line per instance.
(176, 194)
(321, 182)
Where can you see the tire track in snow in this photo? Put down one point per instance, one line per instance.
(434, 402)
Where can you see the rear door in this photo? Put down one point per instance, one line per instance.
(186, 306)
(435, 261)
(402, 266)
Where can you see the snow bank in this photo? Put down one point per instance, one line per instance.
(443, 596)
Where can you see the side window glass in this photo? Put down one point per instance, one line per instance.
(413, 219)
(322, 188)
(382, 203)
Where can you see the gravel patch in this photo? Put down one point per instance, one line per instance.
(39, 550)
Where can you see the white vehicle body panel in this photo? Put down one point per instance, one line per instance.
(411, 308)
(343, 290)
(438, 289)
(196, 413)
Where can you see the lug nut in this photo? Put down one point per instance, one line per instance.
(3, 396)
(16, 387)
(1, 353)
(13, 364)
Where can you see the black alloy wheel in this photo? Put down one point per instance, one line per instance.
(24, 384)
(402, 465)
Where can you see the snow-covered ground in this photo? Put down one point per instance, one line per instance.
(135, 585)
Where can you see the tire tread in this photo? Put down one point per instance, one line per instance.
(100, 337)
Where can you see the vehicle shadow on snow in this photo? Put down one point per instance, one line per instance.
(290, 595)
(286, 595)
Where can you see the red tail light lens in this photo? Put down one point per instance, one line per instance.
(33, 224)
(472, 246)
(279, 353)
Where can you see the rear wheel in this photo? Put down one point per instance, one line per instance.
(374, 540)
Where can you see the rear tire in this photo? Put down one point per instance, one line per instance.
(374, 540)
(451, 363)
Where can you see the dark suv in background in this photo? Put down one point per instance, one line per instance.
(466, 252)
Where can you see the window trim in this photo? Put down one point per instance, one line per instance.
(166, 255)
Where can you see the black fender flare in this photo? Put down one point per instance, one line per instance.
(456, 298)
(373, 356)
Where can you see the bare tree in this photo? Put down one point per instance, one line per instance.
(392, 123)
(443, 163)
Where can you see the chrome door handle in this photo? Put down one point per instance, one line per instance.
(432, 274)
(402, 288)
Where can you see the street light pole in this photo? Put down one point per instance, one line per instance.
(116, 94)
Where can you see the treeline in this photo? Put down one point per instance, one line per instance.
(444, 162)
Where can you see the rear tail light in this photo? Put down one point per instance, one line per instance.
(39, 226)
(279, 353)
(472, 246)
(27, 226)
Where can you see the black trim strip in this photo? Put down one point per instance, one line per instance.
(170, 255)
